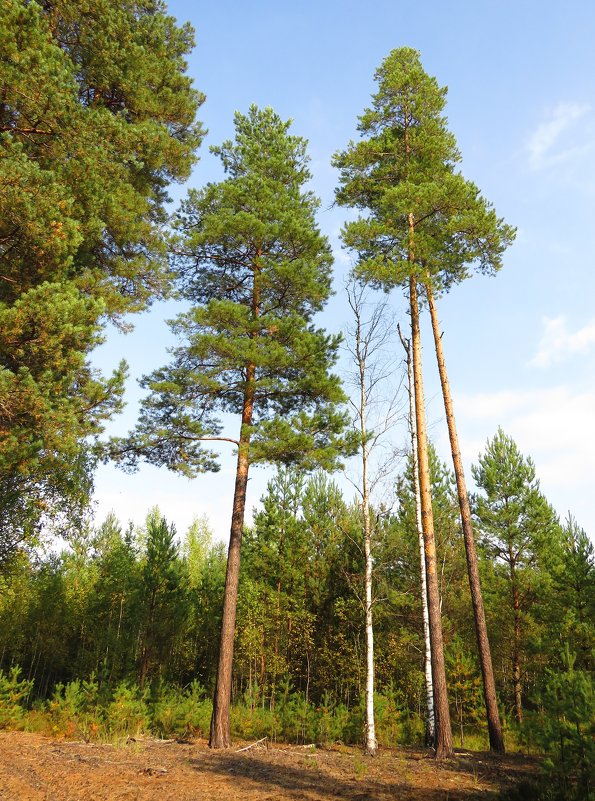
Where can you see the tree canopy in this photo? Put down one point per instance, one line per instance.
(422, 217)
(255, 269)
(96, 119)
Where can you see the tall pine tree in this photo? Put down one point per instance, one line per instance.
(390, 175)
(96, 119)
(255, 269)
(426, 224)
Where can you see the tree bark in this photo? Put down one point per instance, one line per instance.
(481, 632)
(441, 711)
(430, 723)
(371, 742)
(516, 648)
(220, 734)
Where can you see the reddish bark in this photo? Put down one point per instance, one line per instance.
(443, 732)
(481, 632)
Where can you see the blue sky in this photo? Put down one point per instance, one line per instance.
(520, 347)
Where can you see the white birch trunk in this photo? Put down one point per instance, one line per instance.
(371, 742)
(366, 343)
(430, 726)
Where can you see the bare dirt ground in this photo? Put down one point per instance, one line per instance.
(36, 768)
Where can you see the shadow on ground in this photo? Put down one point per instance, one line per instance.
(311, 781)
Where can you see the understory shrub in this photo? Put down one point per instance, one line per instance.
(293, 719)
(181, 712)
(13, 696)
(563, 727)
(74, 710)
(127, 714)
(84, 709)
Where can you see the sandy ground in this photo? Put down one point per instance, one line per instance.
(36, 768)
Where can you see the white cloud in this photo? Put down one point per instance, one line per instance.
(545, 146)
(178, 499)
(495, 405)
(555, 426)
(558, 343)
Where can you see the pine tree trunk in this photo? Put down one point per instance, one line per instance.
(430, 723)
(516, 648)
(441, 711)
(481, 632)
(220, 734)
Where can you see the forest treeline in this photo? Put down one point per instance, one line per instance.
(389, 618)
(140, 606)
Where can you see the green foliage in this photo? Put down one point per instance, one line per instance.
(205, 620)
(513, 514)
(181, 712)
(127, 715)
(467, 706)
(84, 710)
(196, 546)
(74, 710)
(51, 399)
(83, 620)
(574, 584)
(297, 613)
(296, 720)
(401, 555)
(163, 595)
(566, 731)
(522, 540)
(97, 117)
(424, 220)
(113, 613)
(255, 270)
(563, 727)
(14, 693)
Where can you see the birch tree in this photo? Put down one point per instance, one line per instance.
(367, 342)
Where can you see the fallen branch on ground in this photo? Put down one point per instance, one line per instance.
(255, 745)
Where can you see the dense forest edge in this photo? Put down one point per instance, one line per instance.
(355, 616)
(116, 636)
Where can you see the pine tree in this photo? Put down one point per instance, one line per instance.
(275, 553)
(489, 685)
(163, 596)
(575, 592)
(115, 609)
(517, 524)
(255, 269)
(392, 174)
(96, 119)
(426, 225)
